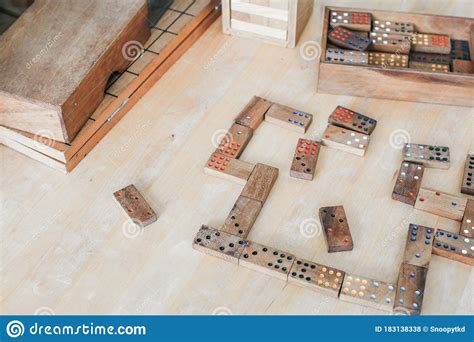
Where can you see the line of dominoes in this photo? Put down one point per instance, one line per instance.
(230, 241)
(408, 189)
(359, 38)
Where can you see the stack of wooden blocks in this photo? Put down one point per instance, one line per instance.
(360, 39)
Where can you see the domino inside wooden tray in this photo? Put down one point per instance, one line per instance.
(403, 56)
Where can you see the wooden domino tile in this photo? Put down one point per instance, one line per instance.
(253, 113)
(467, 186)
(460, 50)
(260, 182)
(336, 229)
(235, 141)
(467, 224)
(290, 118)
(347, 56)
(367, 292)
(219, 244)
(347, 118)
(267, 260)
(305, 159)
(345, 140)
(410, 290)
(347, 39)
(408, 183)
(441, 204)
(393, 28)
(388, 43)
(430, 156)
(434, 67)
(418, 246)
(455, 247)
(135, 206)
(431, 43)
(388, 60)
(225, 167)
(358, 21)
(435, 58)
(463, 67)
(319, 278)
(242, 217)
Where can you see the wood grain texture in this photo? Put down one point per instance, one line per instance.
(234, 142)
(434, 67)
(467, 224)
(347, 39)
(336, 229)
(355, 21)
(437, 157)
(289, 118)
(404, 85)
(320, 278)
(347, 56)
(418, 246)
(368, 292)
(431, 43)
(219, 244)
(305, 159)
(345, 140)
(253, 113)
(235, 170)
(408, 182)
(455, 247)
(441, 204)
(86, 56)
(260, 182)
(242, 217)
(347, 118)
(410, 290)
(385, 60)
(135, 206)
(267, 260)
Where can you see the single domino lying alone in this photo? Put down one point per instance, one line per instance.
(135, 206)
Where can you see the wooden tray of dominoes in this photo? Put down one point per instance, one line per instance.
(397, 56)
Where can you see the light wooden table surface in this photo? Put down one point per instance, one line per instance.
(63, 247)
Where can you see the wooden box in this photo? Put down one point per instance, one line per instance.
(54, 76)
(279, 22)
(401, 83)
(160, 52)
